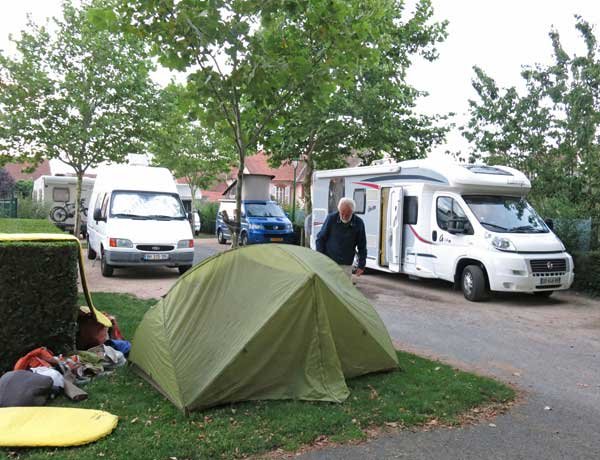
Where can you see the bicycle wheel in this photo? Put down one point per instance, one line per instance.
(58, 214)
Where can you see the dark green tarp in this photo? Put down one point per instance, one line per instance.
(261, 322)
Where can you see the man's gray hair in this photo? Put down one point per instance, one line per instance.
(348, 202)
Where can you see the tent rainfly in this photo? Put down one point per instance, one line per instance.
(260, 322)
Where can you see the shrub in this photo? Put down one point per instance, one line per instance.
(38, 298)
(587, 271)
(30, 209)
(27, 226)
(208, 215)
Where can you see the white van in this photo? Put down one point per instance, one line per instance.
(467, 224)
(138, 219)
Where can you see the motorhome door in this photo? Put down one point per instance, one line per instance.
(392, 199)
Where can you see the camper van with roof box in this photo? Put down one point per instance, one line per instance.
(467, 224)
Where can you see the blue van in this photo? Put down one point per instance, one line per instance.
(262, 222)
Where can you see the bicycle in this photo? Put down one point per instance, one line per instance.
(62, 213)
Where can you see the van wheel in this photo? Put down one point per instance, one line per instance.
(473, 283)
(244, 239)
(106, 269)
(543, 294)
(183, 268)
(220, 238)
(91, 254)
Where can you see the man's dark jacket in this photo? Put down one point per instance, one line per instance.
(340, 241)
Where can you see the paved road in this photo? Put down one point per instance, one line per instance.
(549, 349)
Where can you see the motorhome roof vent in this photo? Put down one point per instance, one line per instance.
(483, 169)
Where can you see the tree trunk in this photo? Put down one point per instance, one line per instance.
(238, 201)
(77, 222)
(308, 182)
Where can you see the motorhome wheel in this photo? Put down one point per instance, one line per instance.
(473, 283)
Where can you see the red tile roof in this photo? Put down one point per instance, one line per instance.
(15, 170)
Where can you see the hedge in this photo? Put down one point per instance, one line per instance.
(587, 271)
(38, 292)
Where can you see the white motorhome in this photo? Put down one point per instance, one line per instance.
(467, 224)
(60, 192)
(138, 219)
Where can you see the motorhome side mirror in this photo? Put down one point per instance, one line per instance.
(457, 226)
(549, 223)
(98, 215)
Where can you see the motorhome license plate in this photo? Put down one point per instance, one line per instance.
(276, 239)
(156, 256)
(549, 280)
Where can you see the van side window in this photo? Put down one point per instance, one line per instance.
(411, 210)
(105, 204)
(444, 211)
(98, 203)
(60, 194)
(359, 199)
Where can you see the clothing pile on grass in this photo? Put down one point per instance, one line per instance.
(41, 374)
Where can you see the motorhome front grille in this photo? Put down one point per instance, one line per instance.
(154, 247)
(548, 265)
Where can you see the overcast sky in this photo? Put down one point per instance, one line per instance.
(499, 36)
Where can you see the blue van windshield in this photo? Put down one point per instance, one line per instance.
(264, 210)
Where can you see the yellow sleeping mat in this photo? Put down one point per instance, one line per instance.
(53, 426)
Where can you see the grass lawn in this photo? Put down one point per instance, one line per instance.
(28, 226)
(152, 428)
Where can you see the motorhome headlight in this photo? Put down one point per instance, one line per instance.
(257, 227)
(503, 244)
(120, 243)
(185, 244)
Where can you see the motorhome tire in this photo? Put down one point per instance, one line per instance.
(220, 238)
(106, 269)
(91, 254)
(543, 294)
(473, 283)
(244, 239)
(183, 268)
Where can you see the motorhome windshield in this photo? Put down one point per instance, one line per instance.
(505, 214)
(264, 210)
(146, 205)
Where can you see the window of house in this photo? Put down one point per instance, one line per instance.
(60, 194)
(411, 210)
(360, 200)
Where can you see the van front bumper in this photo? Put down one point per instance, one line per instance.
(129, 258)
(511, 272)
(271, 237)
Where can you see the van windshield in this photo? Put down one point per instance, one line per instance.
(146, 205)
(264, 210)
(505, 214)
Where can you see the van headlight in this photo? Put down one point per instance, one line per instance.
(289, 227)
(257, 227)
(181, 244)
(503, 244)
(120, 243)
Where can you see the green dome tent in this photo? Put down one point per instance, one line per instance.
(260, 322)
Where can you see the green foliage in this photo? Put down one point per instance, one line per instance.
(587, 271)
(208, 216)
(422, 391)
(549, 132)
(38, 298)
(185, 147)
(76, 92)
(28, 208)
(28, 226)
(24, 188)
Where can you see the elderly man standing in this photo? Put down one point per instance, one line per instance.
(342, 234)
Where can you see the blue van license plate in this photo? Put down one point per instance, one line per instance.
(276, 239)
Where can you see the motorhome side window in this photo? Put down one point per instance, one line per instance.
(411, 210)
(448, 209)
(60, 194)
(360, 200)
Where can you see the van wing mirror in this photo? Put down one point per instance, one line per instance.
(98, 215)
(549, 223)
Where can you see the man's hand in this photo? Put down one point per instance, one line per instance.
(359, 271)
